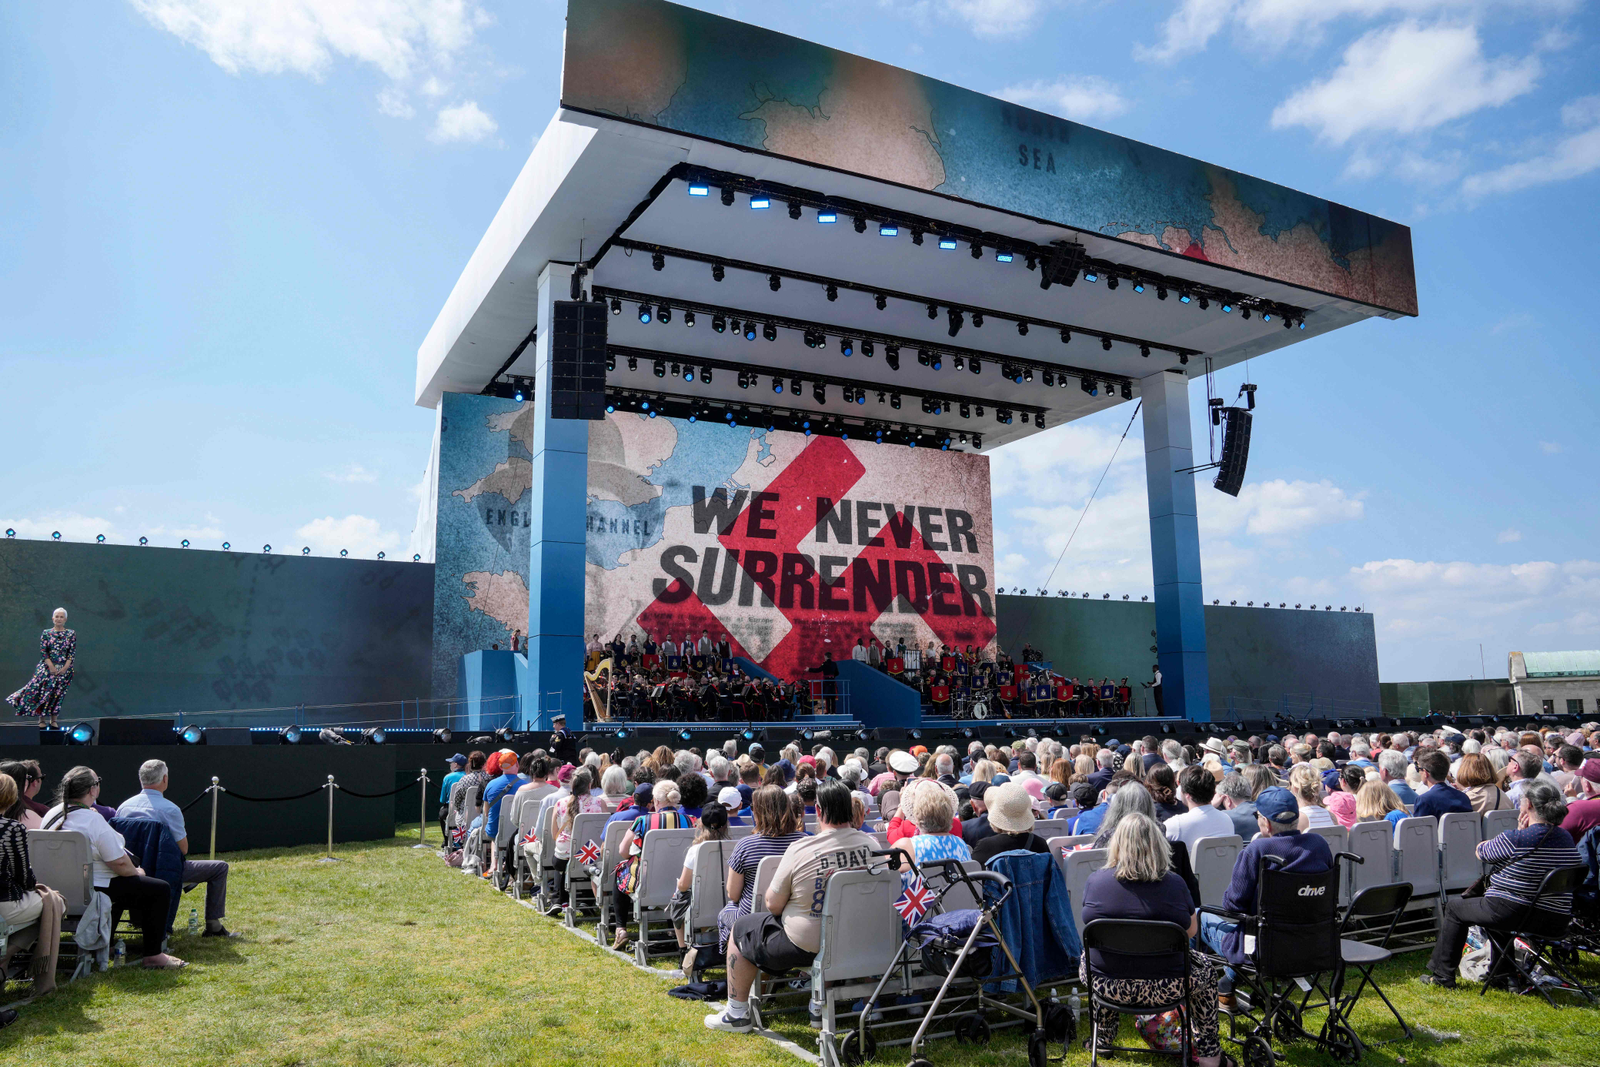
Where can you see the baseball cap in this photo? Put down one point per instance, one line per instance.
(756, 752)
(457, 758)
(999, 779)
(643, 792)
(731, 798)
(1278, 806)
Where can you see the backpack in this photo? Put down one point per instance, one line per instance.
(627, 874)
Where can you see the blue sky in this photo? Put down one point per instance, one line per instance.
(227, 227)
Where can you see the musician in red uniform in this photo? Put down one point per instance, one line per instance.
(1064, 697)
(1008, 696)
(939, 694)
(1124, 697)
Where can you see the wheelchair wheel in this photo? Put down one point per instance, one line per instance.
(1257, 1053)
(1286, 1022)
(972, 1030)
(1038, 1049)
(852, 1053)
(1342, 1043)
(920, 1062)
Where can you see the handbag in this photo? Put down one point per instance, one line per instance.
(1480, 884)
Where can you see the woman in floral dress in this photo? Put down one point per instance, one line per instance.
(41, 697)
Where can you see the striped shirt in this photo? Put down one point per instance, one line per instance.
(1535, 856)
(747, 856)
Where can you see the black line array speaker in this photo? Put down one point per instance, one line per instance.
(1235, 450)
(578, 360)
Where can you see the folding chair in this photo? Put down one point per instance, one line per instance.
(1373, 908)
(588, 834)
(61, 860)
(1541, 954)
(1459, 864)
(525, 846)
(1496, 823)
(660, 864)
(1145, 939)
(504, 833)
(1212, 860)
(1079, 866)
(1417, 861)
(1045, 829)
(606, 877)
(708, 894)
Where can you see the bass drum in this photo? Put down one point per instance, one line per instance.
(980, 710)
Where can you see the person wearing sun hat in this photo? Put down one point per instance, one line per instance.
(1011, 818)
(902, 765)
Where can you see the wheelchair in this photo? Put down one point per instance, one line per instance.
(1293, 954)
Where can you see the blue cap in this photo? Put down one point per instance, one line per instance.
(643, 791)
(999, 779)
(1278, 806)
(458, 758)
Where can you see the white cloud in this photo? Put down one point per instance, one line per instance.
(71, 525)
(1406, 79)
(1188, 29)
(463, 122)
(985, 18)
(432, 86)
(1550, 448)
(1081, 98)
(350, 472)
(1278, 509)
(392, 102)
(303, 36)
(1506, 537)
(363, 537)
(1572, 157)
(1464, 600)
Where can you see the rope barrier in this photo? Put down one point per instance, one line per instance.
(203, 794)
(273, 800)
(374, 796)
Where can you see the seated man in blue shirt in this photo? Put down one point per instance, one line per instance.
(1440, 797)
(1278, 816)
(1392, 772)
(506, 784)
(151, 803)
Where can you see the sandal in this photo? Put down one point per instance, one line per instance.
(173, 964)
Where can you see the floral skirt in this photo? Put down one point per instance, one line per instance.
(41, 697)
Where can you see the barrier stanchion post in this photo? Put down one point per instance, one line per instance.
(422, 810)
(214, 816)
(329, 787)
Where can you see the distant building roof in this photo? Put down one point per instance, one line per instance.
(1561, 664)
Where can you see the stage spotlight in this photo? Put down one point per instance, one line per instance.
(1138, 286)
(1127, 390)
(960, 365)
(705, 375)
(1184, 359)
(657, 261)
(1161, 292)
(717, 273)
(894, 401)
(1144, 350)
(660, 369)
(774, 282)
(1090, 276)
(1244, 313)
(824, 216)
(81, 734)
(503, 735)
(794, 209)
(375, 735)
(1204, 303)
(891, 356)
(749, 330)
(289, 735)
(1089, 387)
(947, 243)
(977, 250)
(688, 373)
(1066, 336)
(770, 332)
(975, 365)
(1105, 343)
(616, 306)
(1184, 297)
(1027, 374)
(795, 386)
(777, 385)
(1001, 256)
(1266, 316)
(819, 393)
(866, 349)
(676, 370)
(718, 323)
(860, 223)
(727, 196)
(644, 313)
(832, 291)
(847, 347)
(888, 230)
(760, 203)
(1111, 281)
(664, 315)
(444, 735)
(1049, 379)
(688, 319)
(1022, 327)
(191, 735)
(880, 300)
(633, 362)
(977, 441)
(957, 320)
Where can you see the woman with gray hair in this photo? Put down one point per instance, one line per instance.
(614, 786)
(1138, 882)
(41, 697)
(1522, 857)
(1131, 798)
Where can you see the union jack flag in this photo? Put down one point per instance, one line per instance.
(589, 854)
(457, 836)
(531, 837)
(914, 900)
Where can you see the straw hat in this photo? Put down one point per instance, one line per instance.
(1010, 808)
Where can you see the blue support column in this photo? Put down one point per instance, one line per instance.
(1175, 547)
(556, 551)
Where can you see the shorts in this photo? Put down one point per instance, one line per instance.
(761, 940)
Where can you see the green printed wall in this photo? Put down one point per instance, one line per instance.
(1261, 659)
(163, 629)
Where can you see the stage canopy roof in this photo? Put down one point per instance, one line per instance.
(747, 179)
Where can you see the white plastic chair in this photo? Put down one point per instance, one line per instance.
(1459, 865)
(1213, 860)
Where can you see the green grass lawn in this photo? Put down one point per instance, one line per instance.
(388, 957)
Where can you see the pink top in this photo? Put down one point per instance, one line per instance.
(1343, 807)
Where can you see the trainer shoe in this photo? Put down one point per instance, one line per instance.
(1429, 978)
(740, 1024)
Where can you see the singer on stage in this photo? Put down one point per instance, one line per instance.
(41, 697)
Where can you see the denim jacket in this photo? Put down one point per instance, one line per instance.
(1036, 918)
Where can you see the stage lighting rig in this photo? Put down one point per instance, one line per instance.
(658, 261)
(616, 306)
(644, 313)
(688, 319)
(664, 315)
(770, 332)
(718, 323)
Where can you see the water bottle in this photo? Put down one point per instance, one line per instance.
(194, 922)
(119, 953)
(1075, 1005)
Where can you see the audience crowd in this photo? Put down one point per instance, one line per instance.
(1146, 800)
